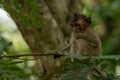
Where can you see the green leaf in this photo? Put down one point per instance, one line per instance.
(4, 45)
(16, 62)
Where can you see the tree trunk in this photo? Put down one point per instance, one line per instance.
(56, 14)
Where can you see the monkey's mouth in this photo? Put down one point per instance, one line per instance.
(77, 31)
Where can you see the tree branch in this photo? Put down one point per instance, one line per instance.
(34, 54)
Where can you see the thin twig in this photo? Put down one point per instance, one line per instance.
(34, 54)
(28, 59)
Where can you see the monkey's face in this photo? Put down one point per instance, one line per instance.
(78, 26)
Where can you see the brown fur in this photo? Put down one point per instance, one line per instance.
(84, 40)
(88, 44)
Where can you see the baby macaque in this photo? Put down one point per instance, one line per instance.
(84, 40)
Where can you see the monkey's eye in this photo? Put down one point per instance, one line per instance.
(77, 25)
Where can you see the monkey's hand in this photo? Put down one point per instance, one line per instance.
(86, 37)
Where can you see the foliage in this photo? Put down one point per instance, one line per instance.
(30, 12)
(9, 69)
(76, 67)
(79, 68)
(106, 12)
(4, 45)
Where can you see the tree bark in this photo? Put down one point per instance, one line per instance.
(56, 14)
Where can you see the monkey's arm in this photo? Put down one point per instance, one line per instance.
(66, 47)
(87, 37)
(72, 40)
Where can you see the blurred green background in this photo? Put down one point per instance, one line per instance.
(37, 26)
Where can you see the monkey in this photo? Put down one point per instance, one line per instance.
(84, 40)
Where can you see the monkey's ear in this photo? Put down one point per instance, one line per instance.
(88, 20)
